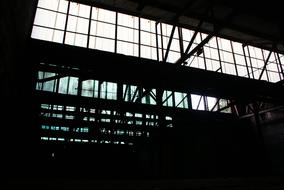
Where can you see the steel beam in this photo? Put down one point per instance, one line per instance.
(50, 78)
(215, 105)
(157, 41)
(89, 29)
(280, 65)
(116, 30)
(265, 64)
(197, 48)
(135, 93)
(180, 36)
(66, 22)
(182, 100)
(169, 43)
(207, 39)
(227, 106)
(180, 61)
(167, 98)
(263, 111)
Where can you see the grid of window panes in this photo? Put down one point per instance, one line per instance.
(76, 24)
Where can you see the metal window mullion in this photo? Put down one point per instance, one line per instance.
(56, 17)
(66, 22)
(265, 65)
(169, 43)
(189, 101)
(180, 41)
(162, 43)
(215, 105)
(167, 97)
(252, 72)
(199, 102)
(205, 103)
(219, 55)
(125, 92)
(205, 66)
(173, 98)
(116, 30)
(89, 30)
(139, 37)
(280, 65)
(247, 67)
(157, 40)
(68, 82)
(56, 84)
(235, 63)
(182, 101)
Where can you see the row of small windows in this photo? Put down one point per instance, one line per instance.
(65, 129)
(79, 140)
(105, 116)
(94, 28)
(53, 82)
(103, 133)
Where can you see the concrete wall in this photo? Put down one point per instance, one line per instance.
(273, 135)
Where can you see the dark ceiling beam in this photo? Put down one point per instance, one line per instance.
(149, 74)
(183, 10)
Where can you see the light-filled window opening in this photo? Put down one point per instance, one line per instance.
(75, 24)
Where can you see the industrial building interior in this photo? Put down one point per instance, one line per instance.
(142, 94)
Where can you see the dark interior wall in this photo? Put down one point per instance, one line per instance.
(193, 148)
(273, 135)
(222, 148)
(16, 22)
(16, 83)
